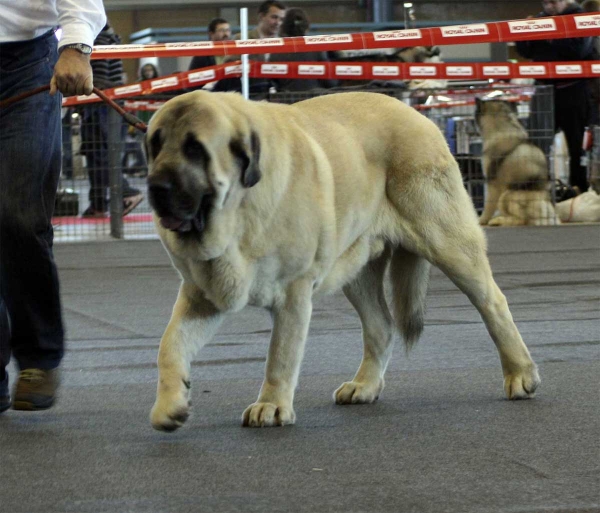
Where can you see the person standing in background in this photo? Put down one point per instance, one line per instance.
(594, 6)
(572, 97)
(270, 18)
(218, 30)
(134, 160)
(31, 325)
(147, 72)
(296, 24)
(95, 127)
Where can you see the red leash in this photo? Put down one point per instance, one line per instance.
(130, 118)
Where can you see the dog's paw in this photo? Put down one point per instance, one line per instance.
(352, 392)
(522, 385)
(268, 415)
(169, 415)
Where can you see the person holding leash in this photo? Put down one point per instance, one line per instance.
(31, 326)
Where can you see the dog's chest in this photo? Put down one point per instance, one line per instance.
(224, 281)
(230, 282)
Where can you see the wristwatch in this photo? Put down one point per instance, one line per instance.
(80, 47)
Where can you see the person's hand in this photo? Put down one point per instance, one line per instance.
(72, 74)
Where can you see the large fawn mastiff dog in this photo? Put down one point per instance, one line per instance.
(268, 205)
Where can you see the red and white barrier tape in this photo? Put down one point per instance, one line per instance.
(409, 71)
(352, 71)
(143, 105)
(557, 27)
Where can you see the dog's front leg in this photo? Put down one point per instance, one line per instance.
(193, 323)
(291, 317)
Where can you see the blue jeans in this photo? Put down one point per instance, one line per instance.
(30, 158)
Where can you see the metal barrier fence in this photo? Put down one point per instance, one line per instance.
(104, 167)
(103, 175)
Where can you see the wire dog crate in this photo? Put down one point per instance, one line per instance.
(104, 163)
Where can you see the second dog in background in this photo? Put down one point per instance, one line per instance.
(515, 169)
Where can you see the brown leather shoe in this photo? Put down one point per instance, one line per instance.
(35, 389)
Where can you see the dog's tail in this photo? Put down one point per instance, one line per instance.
(409, 274)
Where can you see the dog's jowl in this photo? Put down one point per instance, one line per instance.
(268, 205)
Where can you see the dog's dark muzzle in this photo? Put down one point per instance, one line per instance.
(178, 210)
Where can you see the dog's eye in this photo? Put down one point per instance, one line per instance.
(155, 144)
(194, 150)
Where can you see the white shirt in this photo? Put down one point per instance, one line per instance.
(80, 20)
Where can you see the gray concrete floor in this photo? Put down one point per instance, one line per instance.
(441, 439)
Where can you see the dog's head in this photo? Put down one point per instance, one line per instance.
(419, 54)
(200, 152)
(494, 110)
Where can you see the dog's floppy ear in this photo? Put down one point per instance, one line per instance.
(478, 104)
(478, 109)
(250, 172)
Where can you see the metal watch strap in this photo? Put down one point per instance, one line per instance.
(80, 47)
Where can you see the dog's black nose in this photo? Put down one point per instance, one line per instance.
(159, 195)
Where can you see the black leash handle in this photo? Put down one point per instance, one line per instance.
(128, 116)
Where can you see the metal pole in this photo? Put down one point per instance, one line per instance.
(408, 6)
(383, 11)
(115, 177)
(245, 68)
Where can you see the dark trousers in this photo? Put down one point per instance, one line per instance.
(572, 107)
(30, 158)
(572, 113)
(94, 134)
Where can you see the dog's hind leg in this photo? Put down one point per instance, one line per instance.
(458, 249)
(367, 295)
(451, 239)
(193, 323)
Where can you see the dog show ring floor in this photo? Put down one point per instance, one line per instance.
(441, 438)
